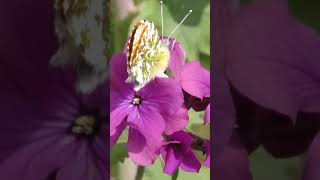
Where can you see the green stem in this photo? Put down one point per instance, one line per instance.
(175, 175)
(140, 173)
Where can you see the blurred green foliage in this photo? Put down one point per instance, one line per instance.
(265, 167)
(155, 173)
(306, 11)
(194, 33)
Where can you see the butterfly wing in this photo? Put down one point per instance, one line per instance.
(147, 57)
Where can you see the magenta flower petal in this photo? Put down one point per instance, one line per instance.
(208, 152)
(195, 80)
(117, 116)
(118, 70)
(177, 152)
(163, 94)
(207, 115)
(176, 122)
(114, 136)
(172, 160)
(147, 120)
(41, 141)
(177, 58)
(143, 150)
(190, 163)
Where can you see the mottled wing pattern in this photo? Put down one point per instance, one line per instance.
(81, 26)
(144, 54)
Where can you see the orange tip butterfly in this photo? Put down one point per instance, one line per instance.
(148, 55)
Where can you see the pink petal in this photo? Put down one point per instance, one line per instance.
(207, 151)
(117, 116)
(176, 122)
(147, 120)
(118, 71)
(163, 94)
(195, 80)
(143, 151)
(172, 160)
(114, 136)
(190, 163)
(177, 59)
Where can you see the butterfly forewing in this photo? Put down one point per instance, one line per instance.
(144, 53)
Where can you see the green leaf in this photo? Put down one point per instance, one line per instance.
(265, 167)
(196, 125)
(124, 137)
(155, 172)
(306, 11)
(194, 34)
(201, 130)
(118, 154)
(119, 32)
(245, 2)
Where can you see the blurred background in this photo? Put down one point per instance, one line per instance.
(194, 36)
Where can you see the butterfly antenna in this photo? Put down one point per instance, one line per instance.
(185, 17)
(161, 4)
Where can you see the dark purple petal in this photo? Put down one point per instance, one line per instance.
(233, 162)
(97, 100)
(118, 72)
(195, 103)
(312, 162)
(208, 153)
(77, 168)
(195, 80)
(114, 136)
(143, 150)
(284, 66)
(39, 159)
(172, 159)
(184, 138)
(176, 122)
(190, 163)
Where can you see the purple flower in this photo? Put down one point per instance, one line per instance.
(155, 109)
(40, 106)
(194, 80)
(178, 153)
(274, 87)
(50, 131)
(207, 151)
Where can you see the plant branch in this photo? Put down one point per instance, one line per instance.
(140, 173)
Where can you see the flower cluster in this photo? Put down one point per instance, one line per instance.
(156, 116)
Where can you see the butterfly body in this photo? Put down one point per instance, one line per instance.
(148, 54)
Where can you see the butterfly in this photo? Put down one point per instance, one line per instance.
(147, 53)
